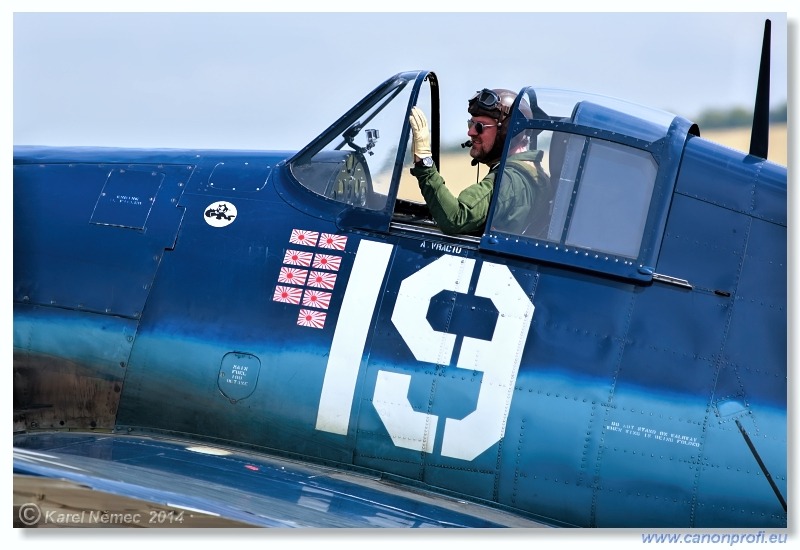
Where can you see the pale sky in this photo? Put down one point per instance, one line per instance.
(276, 80)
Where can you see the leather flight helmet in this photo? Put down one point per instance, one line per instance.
(496, 104)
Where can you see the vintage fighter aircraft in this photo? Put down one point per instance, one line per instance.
(281, 339)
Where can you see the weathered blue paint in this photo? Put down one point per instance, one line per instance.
(639, 400)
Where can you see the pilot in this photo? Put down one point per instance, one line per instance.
(524, 180)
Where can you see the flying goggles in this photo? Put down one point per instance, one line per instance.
(488, 100)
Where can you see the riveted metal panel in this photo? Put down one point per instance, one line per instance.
(89, 237)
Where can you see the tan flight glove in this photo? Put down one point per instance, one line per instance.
(420, 134)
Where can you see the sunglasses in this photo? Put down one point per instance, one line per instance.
(479, 126)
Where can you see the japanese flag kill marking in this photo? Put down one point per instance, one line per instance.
(287, 294)
(327, 261)
(311, 318)
(334, 242)
(317, 298)
(293, 276)
(321, 279)
(307, 238)
(297, 257)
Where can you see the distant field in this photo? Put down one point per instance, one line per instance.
(459, 174)
(739, 138)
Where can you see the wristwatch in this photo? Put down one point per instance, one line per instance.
(426, 161)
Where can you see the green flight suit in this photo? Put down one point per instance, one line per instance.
(525, 194)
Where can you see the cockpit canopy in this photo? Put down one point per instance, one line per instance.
(612, 165)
